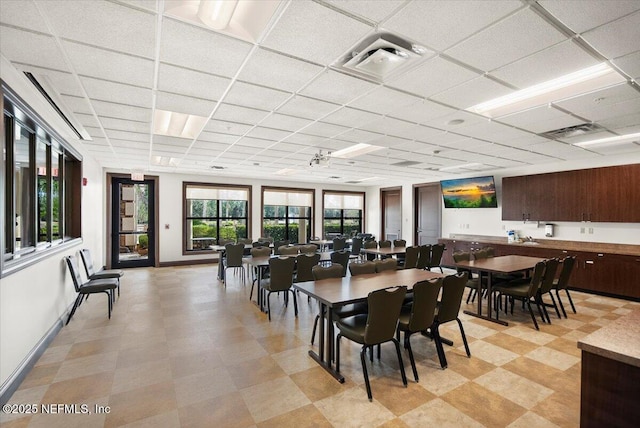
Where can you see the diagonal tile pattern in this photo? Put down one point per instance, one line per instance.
(181, 350)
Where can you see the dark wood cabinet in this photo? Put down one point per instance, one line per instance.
(610, 194)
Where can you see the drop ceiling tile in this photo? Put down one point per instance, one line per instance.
(625, 121)
(64, 83)
(285, 122)
(248, 95)
(391, 126)
(206, 148)
(225, 127)
(303, 24)
(183, 104)
(125, 125)
(87, 120)
(522, 34)
(422, 111)
(239, 149)
(216, 137)
(120, 111)
(587, 137)
(337, 87)
(116, 92)
(167, 151)
(94, 132)
(107, 65)
(540, 119)
(583, 16)
(617, 149)
(472, 92)
(630, 64)
(384, 100)
(268, 133)
(607, 112)
(189, 82)
(190, 46)
(308, 108)
(143, 4)
(553, 62)
(118, 144)
(233, 113)
(325, 129)
(30, 48)
(389, 141)
(433, 76)
(491, 131)
(304, 139)
(347, 116)
(125, 135)
(255, 142)
(76, 104)
(21, 14)
(617, 38)
(359, 136)
(606, 97)
(182, 143)
(372, 10)
(278, 71)
(290, 148)
(103, 24)
(443, 24)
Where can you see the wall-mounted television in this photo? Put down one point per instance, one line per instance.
(478, 192)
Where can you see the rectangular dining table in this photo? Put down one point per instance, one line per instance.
(502, 264)
(335, 292)
(386, 251)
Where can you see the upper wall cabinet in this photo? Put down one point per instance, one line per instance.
(610, 194)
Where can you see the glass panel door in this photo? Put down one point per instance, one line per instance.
(133, 240)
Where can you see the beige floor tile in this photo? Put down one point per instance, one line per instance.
(54, 354)
(351, 408)
(73, 417)
(439, 381)
(228, 411)
(273, 398)
(512, 343)
(192, 363)
(492, 354)
(531, 419)
(202, 386)
(253, 372)
(438, 413)
(168, 419)
(306, 416)
(531, 334)
(144, 374)
(514, 387)
(317, 384)
(141, 403)
(241, 351)
(294, 360)
(86, 366)
(553, 358)
(80, 389)
(39, 375)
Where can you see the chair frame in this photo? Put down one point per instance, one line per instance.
(92, 286)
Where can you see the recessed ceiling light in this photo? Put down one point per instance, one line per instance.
(178, 125)
(355, 150)
(567, 86)
(286, 171)
(463, 166)
(165, 161)
(619, 139)
(216, 167)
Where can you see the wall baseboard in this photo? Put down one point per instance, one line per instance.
(189, 262)
(13, 382)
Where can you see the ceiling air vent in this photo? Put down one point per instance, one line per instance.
(406, 163)
(572, 131)
(352, 182)
(380, 56)
(44, 86)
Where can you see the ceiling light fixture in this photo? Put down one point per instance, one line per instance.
(356, 150)
(567, 86)
(618, 139)
(320, 160)
(369, 179)
(216, 13)
(165, 161)
(286, 171)
(464, 166)
(178, 125)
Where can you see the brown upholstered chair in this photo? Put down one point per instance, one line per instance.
(386, 264)
(233, 260)
(424, 256)
(85, 255)
(363, 268)
(107, 286)
(562, 283)
(524, 289)
(342, 258)
(280, 279)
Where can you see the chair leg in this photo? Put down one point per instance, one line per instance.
(561, 305)
(400, 362)
(364, 371)
(269, 305)
(75, 306)
(464, 338)
(407, 345)
(295, 302)
(533, 317)
(555, 306)
(109, 302)
(439, 348)
(570, 301)
(338, 352)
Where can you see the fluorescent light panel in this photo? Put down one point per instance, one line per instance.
(286, 171)
(618, 139)
(178, 125)
(580, 82)
(355, 150)
(165, 161)
(464, 166)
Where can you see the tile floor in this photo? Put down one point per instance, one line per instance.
(181, 350)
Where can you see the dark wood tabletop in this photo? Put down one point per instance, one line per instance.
(501, 264)
(389, 251)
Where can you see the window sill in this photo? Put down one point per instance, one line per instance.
(14, 265)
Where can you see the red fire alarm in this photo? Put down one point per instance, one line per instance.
(84, 181)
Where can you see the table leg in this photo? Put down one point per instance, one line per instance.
(478, 314)
(221, 266)
(325, 347)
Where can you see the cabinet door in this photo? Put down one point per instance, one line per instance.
(572, 196)
(615, 194)
(541, 197)
(513, 197)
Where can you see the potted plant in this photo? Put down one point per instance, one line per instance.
(143, 245)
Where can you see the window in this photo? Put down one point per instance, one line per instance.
(286, 214)
(214, 212)
(41, 184)
(343, 213)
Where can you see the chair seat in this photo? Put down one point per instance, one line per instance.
(353, 328)
(519, 290)
(108, 273)
(350, 310)
(98, 285)
(405, 317)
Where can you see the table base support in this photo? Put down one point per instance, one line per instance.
(325, 366)
(484, 317)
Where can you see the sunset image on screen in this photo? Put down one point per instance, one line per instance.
(479, 192)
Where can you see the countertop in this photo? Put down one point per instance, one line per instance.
(618, 341)
(592, 247)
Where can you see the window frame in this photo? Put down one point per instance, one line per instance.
(342, 217)
(12, 259)
(217, 218)
(286, 217)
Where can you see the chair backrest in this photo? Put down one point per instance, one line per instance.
(536, 278)
(339, 244)
(323, 272)
(411, 257)
(304, 264)
(308, 248)
(224, 242)
(245, 241)
(281, 271)
(362, 268)
(425, 299)
(260, 244)
(234, 254)
(356, 245)
(260, 252)
(424, 256)
(370, 244)
(341, 257)
(279, 244)
(384, 310)
(85, 255)
(567, 267)
(437, 250)
(399, 243)
(549, 275)
(267, 239)
(384, 244)
(287, 250)
(462, 256)
(72, 263)
(480, 254)
(386, 264)
(452, 290)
